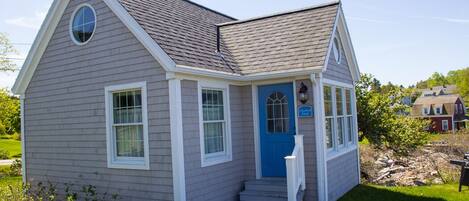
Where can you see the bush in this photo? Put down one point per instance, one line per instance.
(15, 168)
(4, 154)
(407, 134)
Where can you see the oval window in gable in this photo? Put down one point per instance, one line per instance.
(83, 24)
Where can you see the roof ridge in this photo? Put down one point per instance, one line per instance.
(209, 9)
(333, 2)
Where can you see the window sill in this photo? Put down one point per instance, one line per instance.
(131, 165)
(333, 154)
(206, 162)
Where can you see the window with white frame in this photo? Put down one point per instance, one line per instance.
(215, 125)
(329, 114)
(456, 107)
(438, 110)
(127, 126)
(349, 115)
(444, 125)
(339, 118)
(337, 49)
(461, 108)
(426, 111)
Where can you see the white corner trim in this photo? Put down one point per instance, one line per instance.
(321, 153)
(23, 143)
(70, 25)
(255, 116)
(126, 163)
(155, 50)
(39, 46)
(177, 140)
(226, 156)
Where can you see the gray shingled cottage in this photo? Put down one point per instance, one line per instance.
(170, 100)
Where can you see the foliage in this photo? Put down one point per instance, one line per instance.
(460, 78)
(6, 49)
(4, 154)
(11, 188)
(379, 120)
(447, 192)
(9, 113)
(15, 168)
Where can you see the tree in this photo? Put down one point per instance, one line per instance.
(460, 78)
(6, 49)
(378, 119)
(10, 121)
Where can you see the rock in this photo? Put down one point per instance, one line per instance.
(419, 183)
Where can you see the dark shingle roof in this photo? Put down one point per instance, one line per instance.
(187, 32)
(442, 99)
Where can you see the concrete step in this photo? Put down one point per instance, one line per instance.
(249, 195)
(277, 185)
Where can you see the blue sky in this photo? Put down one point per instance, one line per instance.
(401, 41)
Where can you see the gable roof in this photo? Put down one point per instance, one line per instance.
(293, 40)
(182, 37)
(435, 100)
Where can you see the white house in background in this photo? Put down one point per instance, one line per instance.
(170, 100)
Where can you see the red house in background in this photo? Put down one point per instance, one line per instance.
(447, 111)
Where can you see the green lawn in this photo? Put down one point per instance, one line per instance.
(5, 181)
(12, 146)
(447, 192)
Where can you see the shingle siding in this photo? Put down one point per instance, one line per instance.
(65, 123)
(306, 128)
(342, 174)
(223, 181)
(338, 72)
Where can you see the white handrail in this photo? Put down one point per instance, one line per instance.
(296, 169)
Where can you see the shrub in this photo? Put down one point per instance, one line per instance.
(15, 168)
(4, 154)
(407, 134)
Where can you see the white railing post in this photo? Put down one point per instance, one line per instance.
(296, 169)
(291, 177)
(301, 160)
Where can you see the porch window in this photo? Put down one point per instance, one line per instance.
(328, 107)
(127, 135)
(215, 126)
(339, 118)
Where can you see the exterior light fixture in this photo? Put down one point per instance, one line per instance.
(303, 93)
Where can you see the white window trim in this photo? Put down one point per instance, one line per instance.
(338, 58)
(443, 125)
(336, 150)
(436, 110)
(70, 24)
(222, 157)
(126, 163)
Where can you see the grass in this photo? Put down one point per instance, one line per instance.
(12, 146)
(5, 181)
(447, 192)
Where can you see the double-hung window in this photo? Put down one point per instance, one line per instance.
(215, 125)
(444, 125)
(339, 118)
(127, 126)
(328, 107)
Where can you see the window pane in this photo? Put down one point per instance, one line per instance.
(339, 101)
(213, 137)
(83, 24)
(328, 100)
(212, 105)
(127, 107)
(340, 130)
(348, 101)
(277, 113)
(129, 141)
(329, 126)
(350, 128)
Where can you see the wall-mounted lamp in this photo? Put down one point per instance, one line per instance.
(303, 93)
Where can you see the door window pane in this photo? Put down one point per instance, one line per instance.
(277, 113)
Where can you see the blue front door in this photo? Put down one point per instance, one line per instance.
(277, 127)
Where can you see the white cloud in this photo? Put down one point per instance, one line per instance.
(455, 20)
(28, 22)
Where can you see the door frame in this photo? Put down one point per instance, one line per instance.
(255, 112)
